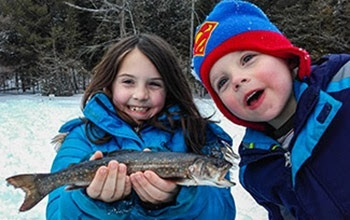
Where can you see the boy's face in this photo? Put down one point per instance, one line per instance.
(253, 86)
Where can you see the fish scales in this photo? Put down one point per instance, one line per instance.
(165, 164)
(183, 168)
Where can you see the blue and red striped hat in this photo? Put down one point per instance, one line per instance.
(236, 26)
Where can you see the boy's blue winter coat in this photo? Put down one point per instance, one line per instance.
(316, 182)
(192, 202)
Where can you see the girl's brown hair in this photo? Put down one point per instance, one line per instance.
(160, 53)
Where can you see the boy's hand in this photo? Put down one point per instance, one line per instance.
(110, 183)
(153, 189)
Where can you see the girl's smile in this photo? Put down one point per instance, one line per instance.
(138, 109)
(138, 89)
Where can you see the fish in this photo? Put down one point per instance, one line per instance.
(186, 169)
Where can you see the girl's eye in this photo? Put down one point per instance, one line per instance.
(221, 83)
(247, 58)
(156, 84)
(127, 81)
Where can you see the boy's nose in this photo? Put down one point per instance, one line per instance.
(238, 82)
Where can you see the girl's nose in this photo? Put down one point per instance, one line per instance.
(141, 93)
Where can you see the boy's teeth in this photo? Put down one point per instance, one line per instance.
(251, 95)
(249, 98)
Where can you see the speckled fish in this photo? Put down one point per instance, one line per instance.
(184, 168)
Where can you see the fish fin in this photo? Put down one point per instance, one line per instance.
(74, 187)
(186, 182)
(118, 152)
(58, 140)
(28, 183)
(222, 183)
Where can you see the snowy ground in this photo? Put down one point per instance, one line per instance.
(27, 124)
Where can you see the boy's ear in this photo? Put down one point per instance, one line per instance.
(293, 63)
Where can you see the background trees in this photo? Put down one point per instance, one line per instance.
(51, 46)
(319, 26)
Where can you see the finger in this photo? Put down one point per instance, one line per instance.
(158, 182)
(127, 189)
(108, 190)
(96, 155)
(136, 180)
(158, 189)
(120, 184)
(96, 185)
(149, 192)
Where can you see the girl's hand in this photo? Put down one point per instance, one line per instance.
(110, 183)
(153, 189)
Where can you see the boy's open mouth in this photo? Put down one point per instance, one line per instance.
(253, 97)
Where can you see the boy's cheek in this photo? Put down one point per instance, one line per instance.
(231, 103)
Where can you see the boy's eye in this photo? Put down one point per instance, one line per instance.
(247, 58)
(220, 84)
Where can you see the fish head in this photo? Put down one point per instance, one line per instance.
(210, 172)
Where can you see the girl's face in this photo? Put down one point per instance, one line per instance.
(138, 89)
(253, 86)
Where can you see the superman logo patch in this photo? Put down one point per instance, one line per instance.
(202, 37)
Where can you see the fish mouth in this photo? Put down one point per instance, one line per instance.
(223, 171)
(254, 98)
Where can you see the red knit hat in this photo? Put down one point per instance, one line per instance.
(236, 26)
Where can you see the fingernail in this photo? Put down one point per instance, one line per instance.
(147, 174)
(112, 165)
(103, 170)
(122, 168)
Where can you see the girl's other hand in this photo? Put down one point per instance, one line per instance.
(153, 189)
(110, 183)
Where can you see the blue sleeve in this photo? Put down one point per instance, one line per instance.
(76, 204)
(196, 202)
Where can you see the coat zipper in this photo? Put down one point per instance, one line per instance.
(288, 162)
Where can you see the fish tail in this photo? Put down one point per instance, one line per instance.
(29, 184)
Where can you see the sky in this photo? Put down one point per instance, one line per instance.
(29, 122)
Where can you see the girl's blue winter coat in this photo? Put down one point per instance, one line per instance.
(309, 180)
(200, 202)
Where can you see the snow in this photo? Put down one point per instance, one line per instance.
(28, 123)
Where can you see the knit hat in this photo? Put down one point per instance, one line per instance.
(236, 26)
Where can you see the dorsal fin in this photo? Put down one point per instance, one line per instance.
(118, 152)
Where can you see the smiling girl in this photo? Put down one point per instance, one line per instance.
(138, 99)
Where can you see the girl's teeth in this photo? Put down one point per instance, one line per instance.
(138, 109)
